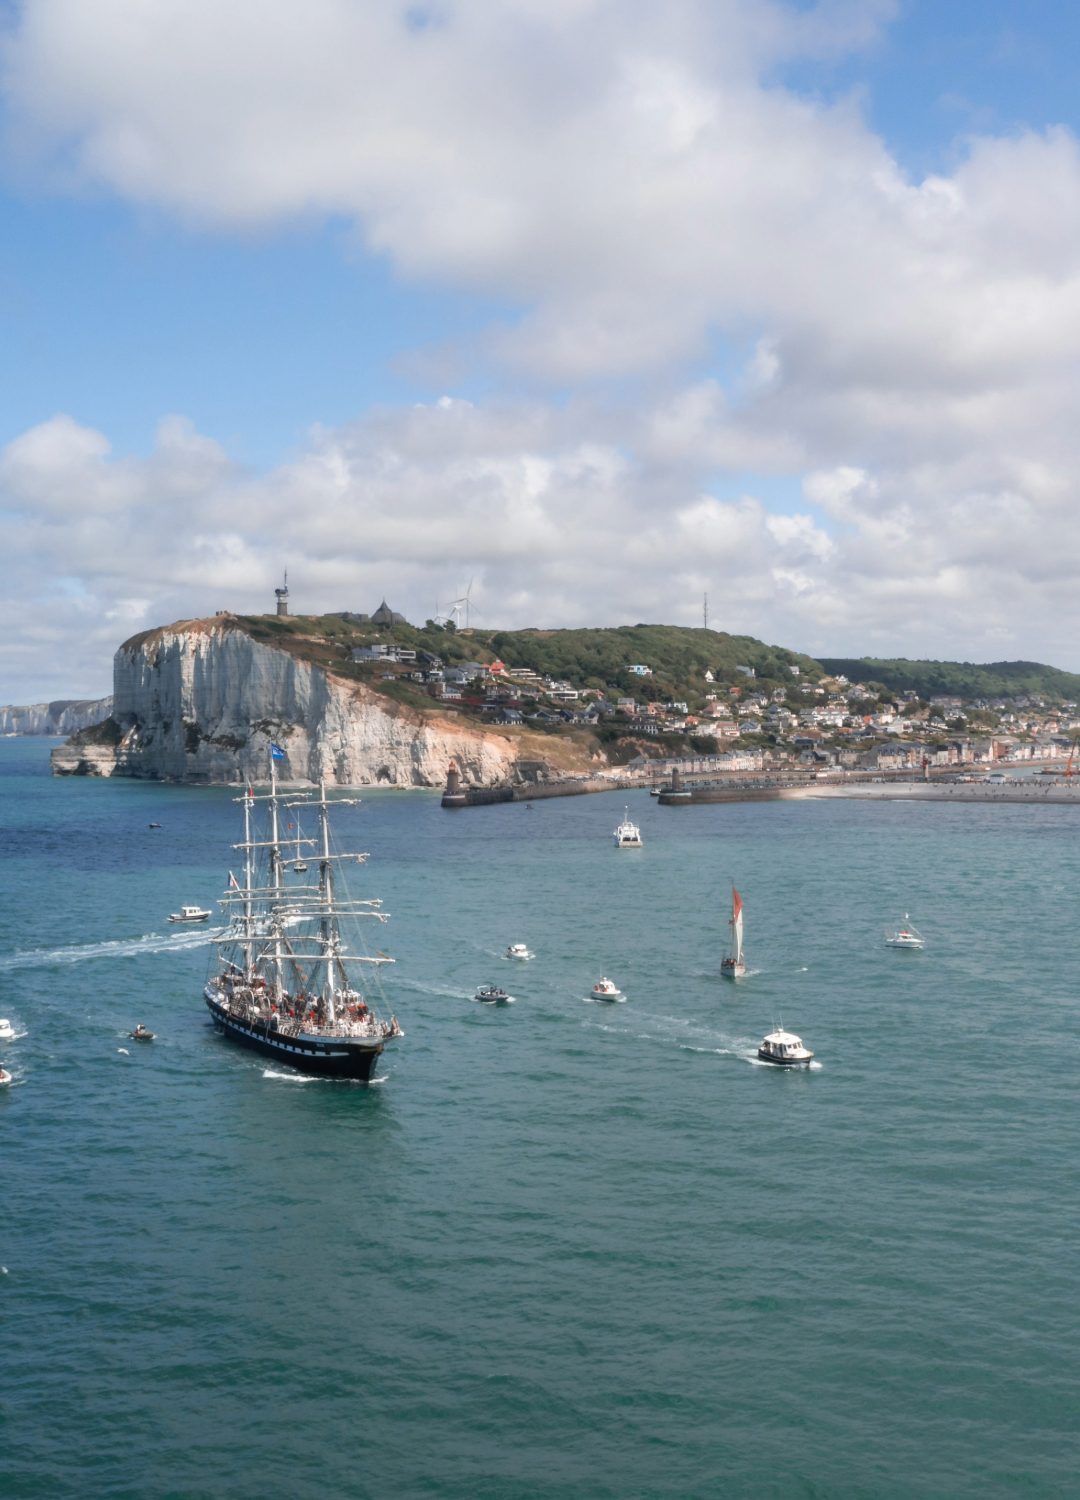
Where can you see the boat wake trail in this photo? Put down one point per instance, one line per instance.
(444, 991)
(686, 1036)
(151, 942)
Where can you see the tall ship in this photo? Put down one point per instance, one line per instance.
(290, 958)
(732, 965)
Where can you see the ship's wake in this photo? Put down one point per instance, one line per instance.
(151, 942)
(685, 1035)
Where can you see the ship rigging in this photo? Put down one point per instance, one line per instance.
(287, 982)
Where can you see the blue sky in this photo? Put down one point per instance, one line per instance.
(118, 314)
(937, 71)
(777, 302)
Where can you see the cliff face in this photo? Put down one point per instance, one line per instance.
(63, 717)
(202, 701)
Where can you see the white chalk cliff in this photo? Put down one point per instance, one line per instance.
(62, 717)
(202, 701)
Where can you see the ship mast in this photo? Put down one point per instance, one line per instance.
(326, 892)
(248, 928)
(275, 880)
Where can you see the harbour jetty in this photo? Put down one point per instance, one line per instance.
(457, 795)
(1027, 792)
(678, 791)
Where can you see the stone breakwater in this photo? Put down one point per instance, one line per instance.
(201, 701)
(62, 717)
(1028, 793)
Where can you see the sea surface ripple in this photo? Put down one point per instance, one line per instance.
(563, 1250)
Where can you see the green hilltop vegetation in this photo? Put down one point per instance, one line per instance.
(679, 656)
(931, 679)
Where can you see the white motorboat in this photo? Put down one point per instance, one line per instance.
(491, 994)
(784, 1048)
(603, 989)
(190, 914)
(628, 835)
(732, 965)
(518, 950)
(7, 1031)
(5, 1078)
(905, 936)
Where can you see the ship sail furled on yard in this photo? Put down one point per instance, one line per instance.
(288, 979)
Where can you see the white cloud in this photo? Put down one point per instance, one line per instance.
(627, 175)
(553, 525)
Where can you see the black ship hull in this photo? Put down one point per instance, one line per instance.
(332, 1057)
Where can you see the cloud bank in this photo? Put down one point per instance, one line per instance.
(716, 278)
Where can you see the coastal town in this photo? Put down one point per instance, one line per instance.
(744, 724)
(515, 708)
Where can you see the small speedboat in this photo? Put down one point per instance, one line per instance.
(491, 994)
(155, 825)
(190, 914)
(518, 950)
(628, 835)
(7, 1031)
(140, 1034)
(5, 1078)
(783, 1048)
(906, 936)
(299, 867)
(603, 989)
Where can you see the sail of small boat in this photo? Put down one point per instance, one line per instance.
(736, 926)
(733, 966)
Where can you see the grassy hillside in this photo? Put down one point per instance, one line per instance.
(996, 679)
(678, 656)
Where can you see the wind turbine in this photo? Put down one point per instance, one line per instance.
(464, 603)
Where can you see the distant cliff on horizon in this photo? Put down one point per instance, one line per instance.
(64, 716)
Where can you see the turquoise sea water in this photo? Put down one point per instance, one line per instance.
(562, 1250)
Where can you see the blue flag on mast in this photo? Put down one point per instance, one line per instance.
(276, 751)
